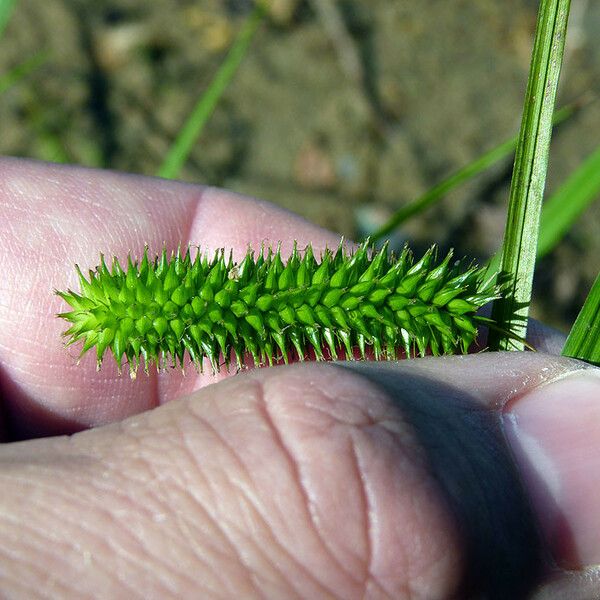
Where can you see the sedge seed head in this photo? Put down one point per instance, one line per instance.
(158, 311)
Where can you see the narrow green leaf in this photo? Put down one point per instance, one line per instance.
(529, 176)
(440, 190)
(584, 339)
(464, 174)
(21, 70)
(49, 146)
(192, 128)
(561, 210)
(6, 8)
(564, 207)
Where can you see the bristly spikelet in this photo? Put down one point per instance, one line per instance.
(162, 309)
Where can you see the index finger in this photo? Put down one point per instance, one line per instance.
(54, 216)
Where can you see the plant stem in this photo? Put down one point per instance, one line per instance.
(529, 176)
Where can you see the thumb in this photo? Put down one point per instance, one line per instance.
(394, 480)
(554, 432)
(549, 409)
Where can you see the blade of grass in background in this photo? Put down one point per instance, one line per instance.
(529, 176)
(192, 128)
(21, 71)
(49, 147)
(580, 189)
(436, 193)
(584, 340)
(564, 207)
(6, 8)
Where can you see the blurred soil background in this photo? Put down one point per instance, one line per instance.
(341, 115)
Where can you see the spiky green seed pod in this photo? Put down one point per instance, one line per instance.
(157, 311)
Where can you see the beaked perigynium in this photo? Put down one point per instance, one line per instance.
(342, 305)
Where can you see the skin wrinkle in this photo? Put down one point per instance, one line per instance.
(359, 418)
(367, 579)
(182, 526)
(280, 547)
(27, 536)
(21, 582)
(160, 562)
(217, 524)
(413, 582)
(201, 505)
(315, 518)
(357, 421)
(198, 551)
(170, 571)
(114, 547)
(294, 467)
(423, 487)
(184, 529)
(123, 498)
(415, 457)
(46, 547)
(93, 529)
(250, 500)
(326, 432)
(221, 438)
(274, 546)
(462, 446)
(53, 588)
(305, 500)
(20, 586)
(32, 558)
(107, 576)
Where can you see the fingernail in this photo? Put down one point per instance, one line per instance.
(554, 433)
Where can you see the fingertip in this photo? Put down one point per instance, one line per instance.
(554, 432)
(58, 215)
(228, 219)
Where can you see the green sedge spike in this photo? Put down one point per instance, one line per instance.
(158, 311)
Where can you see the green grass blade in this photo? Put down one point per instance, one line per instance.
(480, 164)
(437, 192)
(49, 147)
(561, 210)
(21, 71)
(584, 339)
(6, 8)
(192, 128)
(529, 176)
(564, 207)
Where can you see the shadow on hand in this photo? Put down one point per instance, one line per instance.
(469, 458)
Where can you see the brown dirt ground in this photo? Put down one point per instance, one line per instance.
(343, 134)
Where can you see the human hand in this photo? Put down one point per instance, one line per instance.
(314, 480)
